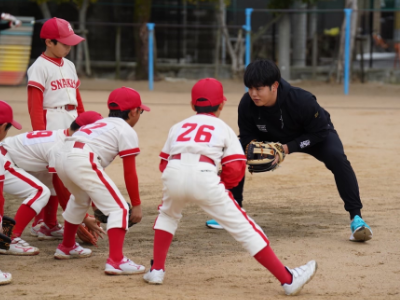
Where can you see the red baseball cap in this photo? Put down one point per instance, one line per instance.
(60, 30)
(210, 89)
(126, 98)
(6, 115)
(88, 117)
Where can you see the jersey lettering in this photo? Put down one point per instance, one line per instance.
(38, 137)
(92, 131)
(202, 136)
(63, 83)
(88, 128)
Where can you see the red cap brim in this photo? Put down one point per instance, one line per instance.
(16, 125)
(71, 40)
(144, 107)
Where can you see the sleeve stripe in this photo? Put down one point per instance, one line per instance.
(52, 170)
(129, 152)
(2, 177)
(78, 84)
(36, 85)
(234, 157)
(164, 156)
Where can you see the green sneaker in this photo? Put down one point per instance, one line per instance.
(360, 231)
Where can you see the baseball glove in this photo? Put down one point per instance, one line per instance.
(102, 218)
(8, 226)
(5, 242)
(86, 235)
(261, 156)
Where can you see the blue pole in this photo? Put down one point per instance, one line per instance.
(347, 12)
(150, 27)
(247, 27)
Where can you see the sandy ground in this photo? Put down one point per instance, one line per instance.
(298, 207)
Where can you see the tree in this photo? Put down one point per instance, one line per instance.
(44, 8)
(141, 15)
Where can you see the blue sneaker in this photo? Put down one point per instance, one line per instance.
(213, 224)
(360, 231)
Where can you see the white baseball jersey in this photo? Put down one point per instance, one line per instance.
(32, 151)
(2, 162)
(108, 138)
(204, 134)
(58, 82)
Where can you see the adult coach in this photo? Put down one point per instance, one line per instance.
(275, 111)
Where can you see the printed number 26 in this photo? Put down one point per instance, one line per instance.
(201, 136)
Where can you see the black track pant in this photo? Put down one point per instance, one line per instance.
(331, 153)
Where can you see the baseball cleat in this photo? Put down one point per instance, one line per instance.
(301, 276)
(19, 247)
(35, 229)
(213, 224)
(46, 233)
(360, 231)
(154, 276)
(76, 251)
(124, 267)
(5, 278)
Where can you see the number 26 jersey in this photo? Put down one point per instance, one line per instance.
(204, 134)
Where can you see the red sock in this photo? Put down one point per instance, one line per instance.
(69, 234)
(268, 259)
(116, 238)
(162, 241)
(50, 212)
(24, 215)
(39, 218)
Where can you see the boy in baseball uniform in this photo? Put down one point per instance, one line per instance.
(80, 166)
(6, 121)
(189, 160)
(54, 100)
(33, 152)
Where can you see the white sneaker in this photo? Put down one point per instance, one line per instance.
(35, 229)
(5, 278)
(19, 247)
(154, 276)
(301, 276)
(125, 266)
(46, 233)
(74, 252)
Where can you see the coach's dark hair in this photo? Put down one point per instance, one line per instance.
(74, 126)
(205, 109)
(8, 126)
(116, 113)
(261, 73)
(54, 41)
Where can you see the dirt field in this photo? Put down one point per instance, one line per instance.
(298, 207)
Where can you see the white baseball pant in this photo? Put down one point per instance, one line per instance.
(82, 174)
(23, 185)
(46, 178)
(59, 118)
(188, 180)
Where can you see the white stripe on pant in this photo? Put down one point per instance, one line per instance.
(188, 180)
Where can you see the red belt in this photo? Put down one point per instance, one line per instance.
(79, 145)
(3, 150)
(67, 107)
(203, 158)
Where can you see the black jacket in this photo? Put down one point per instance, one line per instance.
(296, 119)
(4, 26)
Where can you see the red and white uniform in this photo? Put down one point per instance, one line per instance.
(194, 149)
(20, 183)
(53, 97)
(2, 171)
(80, 165)
(32, 151)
